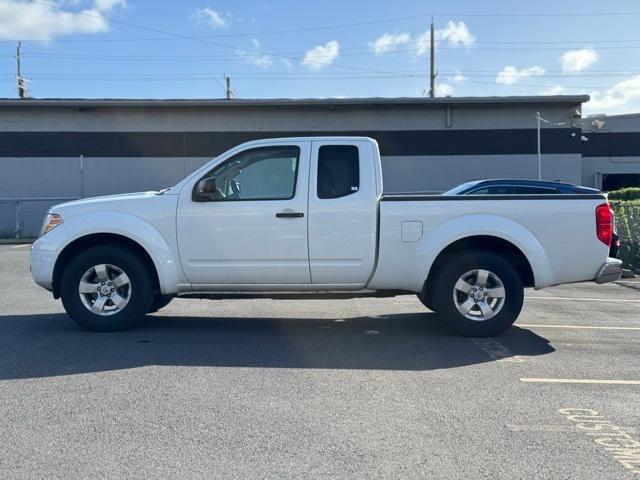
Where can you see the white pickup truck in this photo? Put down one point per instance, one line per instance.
(308, 216)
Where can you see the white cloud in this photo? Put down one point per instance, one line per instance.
(575, 61)
(106, 5)
(321, 56)
(423, 43)
(444, 90)
(389, 42)
(254, 56)
(554, 90)
(510, 74)
(262, 61)
(621, 98)
(458, 78)
(21, 20)
(210, 16)
(455, 34)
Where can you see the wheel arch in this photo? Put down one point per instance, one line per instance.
(490, 243)
(90, 240)
(495, 233)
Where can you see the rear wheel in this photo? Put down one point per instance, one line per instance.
(479, 294)
(106, 288)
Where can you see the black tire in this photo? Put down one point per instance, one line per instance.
(140, 284)
(444, 288)
(426, 298)
(159, 302)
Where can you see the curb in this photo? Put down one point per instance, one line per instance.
(16, 241)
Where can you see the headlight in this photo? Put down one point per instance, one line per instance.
(51, 220)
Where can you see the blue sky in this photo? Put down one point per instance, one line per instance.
(154, 49)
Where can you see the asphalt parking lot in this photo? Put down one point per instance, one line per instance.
(367, 388)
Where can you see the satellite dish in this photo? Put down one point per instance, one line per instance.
(597, 124)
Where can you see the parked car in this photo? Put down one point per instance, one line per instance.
(512, 186)
(507, 186)
(308, 216)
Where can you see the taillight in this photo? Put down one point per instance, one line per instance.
(603, 223)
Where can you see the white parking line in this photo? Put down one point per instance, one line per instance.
(579, 299)
(580, 380)
(25, 245)
(581, 327)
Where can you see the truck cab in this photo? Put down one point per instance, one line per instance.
(266, 215)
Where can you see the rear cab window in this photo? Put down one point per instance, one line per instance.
(338, 171)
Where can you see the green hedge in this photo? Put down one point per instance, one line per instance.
(628, 227)
(631, 193)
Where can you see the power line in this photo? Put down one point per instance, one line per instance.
(200, 40)
(349, 25)
(394, 74)
(209, 76)
(288, 55)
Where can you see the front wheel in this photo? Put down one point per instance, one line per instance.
(159, 302)
(479, 294)
(106, 288)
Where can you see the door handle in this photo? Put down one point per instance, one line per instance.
(289, 214)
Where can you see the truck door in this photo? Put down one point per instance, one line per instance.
(245, 221)
(342, 212)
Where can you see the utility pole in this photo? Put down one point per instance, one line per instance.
(432, 61)
(229, 92)
(22, 91)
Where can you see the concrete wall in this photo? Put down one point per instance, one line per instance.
(612, 149)
(426, 148)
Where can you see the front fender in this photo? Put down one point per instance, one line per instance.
(164, 257)
(443, 235)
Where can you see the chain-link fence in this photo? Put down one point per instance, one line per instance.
(30, 186)
(20, 217)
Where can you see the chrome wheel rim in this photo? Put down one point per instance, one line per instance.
(479, 295)
(105, 289)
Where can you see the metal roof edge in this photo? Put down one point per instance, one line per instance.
(288, 102)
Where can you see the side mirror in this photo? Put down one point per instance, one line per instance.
(205, 190)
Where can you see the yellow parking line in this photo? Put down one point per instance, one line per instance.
(582, 327)
(578, 299)
(580, 380)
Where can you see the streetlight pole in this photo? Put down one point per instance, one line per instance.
(539, 149)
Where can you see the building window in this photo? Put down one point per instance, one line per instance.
(616, 181)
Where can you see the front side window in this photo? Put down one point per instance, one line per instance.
(264, 173)
(338, 171)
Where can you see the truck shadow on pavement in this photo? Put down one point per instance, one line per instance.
(33, 346)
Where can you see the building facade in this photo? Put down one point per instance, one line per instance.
(54, 150)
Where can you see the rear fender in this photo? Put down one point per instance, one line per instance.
(443, 235)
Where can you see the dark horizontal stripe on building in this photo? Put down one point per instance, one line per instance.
(209, 144)
(611, 144)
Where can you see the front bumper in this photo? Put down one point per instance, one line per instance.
(44, 252)
(610, 271)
